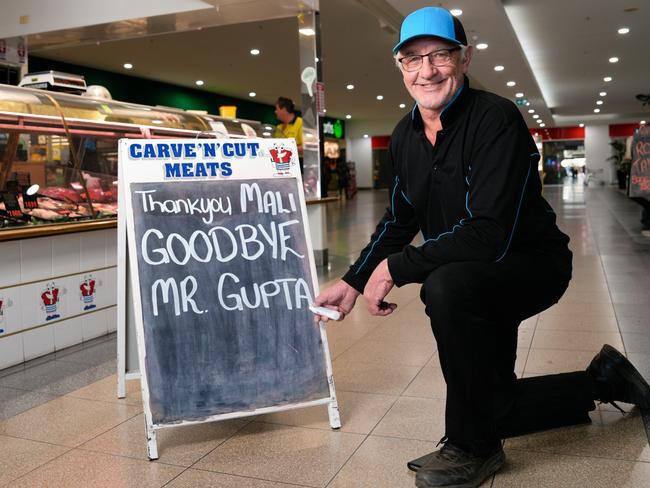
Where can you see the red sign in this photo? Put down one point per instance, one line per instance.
(622, 130)
(380, 142)
(560, 133)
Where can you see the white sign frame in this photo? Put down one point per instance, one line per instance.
(144, 170)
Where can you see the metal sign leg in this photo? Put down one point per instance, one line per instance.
(152, 445)
(333, 412)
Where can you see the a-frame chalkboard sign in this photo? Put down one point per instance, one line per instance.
(222, 275)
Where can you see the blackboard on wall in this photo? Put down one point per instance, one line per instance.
(223, 275)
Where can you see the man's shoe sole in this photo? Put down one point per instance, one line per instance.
(629, 373)
(491, 466)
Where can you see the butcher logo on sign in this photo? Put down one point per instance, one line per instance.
(281, 158)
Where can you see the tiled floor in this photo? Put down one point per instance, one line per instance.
(61, 425)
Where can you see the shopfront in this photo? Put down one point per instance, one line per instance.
(58, 214)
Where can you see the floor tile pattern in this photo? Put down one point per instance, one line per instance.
(62, 426)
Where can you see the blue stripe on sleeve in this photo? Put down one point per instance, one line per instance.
(406, 198)
(455, 227)
(392, 209)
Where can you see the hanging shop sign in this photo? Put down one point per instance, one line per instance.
(333, 128)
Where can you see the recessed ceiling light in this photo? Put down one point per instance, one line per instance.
(365, 136)
(607, 79)
(603, 94)
(582, 125)
(498, 67)
(623, 30)
(252, 94)
(519, 95)
(642, 122)
(599, 102)
(456, 12)
(535, 116)
(157, 121)
(402, 105)
(542, 125)
(266, 134)
(268, 127)
(596, 110)
(199, 82)
(307, 31)
(348, 116)
(350, 86)
(324, 110)
(511, 83)
(481, 46)
(531, 111)
(316, 59)
(539, 121)
(255, 52)
(527, 104)
(613, 59)
(128, 66)
(380, 97)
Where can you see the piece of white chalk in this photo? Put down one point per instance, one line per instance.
(326, 312)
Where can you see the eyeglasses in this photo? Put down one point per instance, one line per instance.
(441, 57)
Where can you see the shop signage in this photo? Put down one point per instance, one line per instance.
(333, 128)
(223, 276)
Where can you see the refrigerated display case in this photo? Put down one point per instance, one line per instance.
(63, 148)
(58, 208)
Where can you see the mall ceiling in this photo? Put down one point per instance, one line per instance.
(556, 51)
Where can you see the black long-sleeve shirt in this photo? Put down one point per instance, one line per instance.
(475, 195)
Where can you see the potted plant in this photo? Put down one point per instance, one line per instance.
(621, 164)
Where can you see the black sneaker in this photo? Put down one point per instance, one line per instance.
(618, 379)
(452, 467)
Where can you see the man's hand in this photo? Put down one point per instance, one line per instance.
(340, 296)
(378, 286)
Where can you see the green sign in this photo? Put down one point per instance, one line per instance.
(521, 101)
(333, 128)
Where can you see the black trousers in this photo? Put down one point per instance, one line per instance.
(645, 213)
(475, 309)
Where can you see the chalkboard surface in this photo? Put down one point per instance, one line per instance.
(225, 285)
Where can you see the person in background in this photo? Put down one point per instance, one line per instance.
(290, 125)
(466, 176)
(343, 174)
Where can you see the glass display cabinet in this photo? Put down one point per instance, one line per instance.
(58, 156)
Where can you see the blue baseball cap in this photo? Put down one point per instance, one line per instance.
(431, 21)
